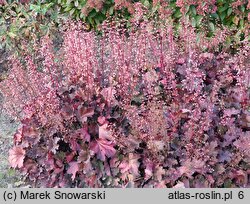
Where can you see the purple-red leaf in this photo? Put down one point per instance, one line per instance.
(108, 94)
(102, 148)
(16, 157)
(131, 165)
(104, 133)
(73, 169)
(83, 133)
(84, 113)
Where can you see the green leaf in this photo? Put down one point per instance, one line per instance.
(193, 9)
(242, 8)
(72, 11)
(97, 21)
(111, 10)
(11, 172)
(104, 10)
(18, 9)
(211, 26)
(198, 39)
(146, 3)
(229, 11)
(193, 22)
(82, 3)
(68, 2)
(91, 21)
(44, 28)
(54, 16)
(198, 20)
(222, 16)
(172, 5)
(81, 15)
(92, 14)
(224, 8)
(67, 8)
(241, 23)
(11, 35)
(236, 20)
(35, 8)
(178, 14)
(44, 11)
(228, 41)
(76, 3)
(13, 28)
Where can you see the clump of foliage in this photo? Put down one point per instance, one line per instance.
(233, 13)
(30, 20)
(22, 22)
(138, 107)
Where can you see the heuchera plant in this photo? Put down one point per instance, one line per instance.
(131, 108)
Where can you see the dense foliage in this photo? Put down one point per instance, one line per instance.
(136, 107)
(25, 23)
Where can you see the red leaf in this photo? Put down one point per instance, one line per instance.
(30, 166)
(230, 112)
(73, 169)
(149, 169)
(31, 134)
(104, 133)
(101, 120)
(83, 156)
(29, 131)
(84, 113)
(243, 143)
(18, 135)
(132, 165)
(108, 94)
(159, 173)
(67, 112)
(179, 185)
(70, 157)
(16, 157)
(74, 145)
(53, 144)
(103, 148)
(84, 134)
